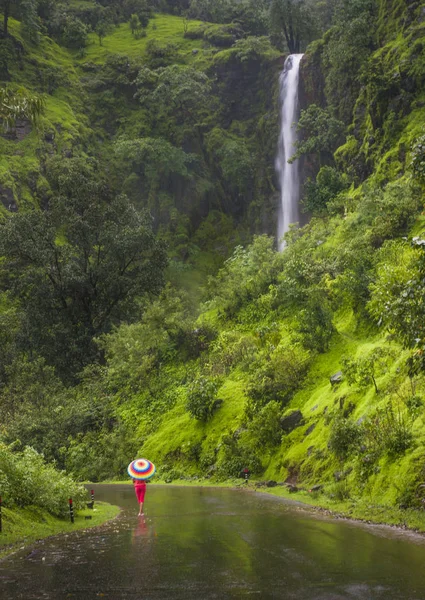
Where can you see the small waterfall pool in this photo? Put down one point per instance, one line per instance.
(288, 173)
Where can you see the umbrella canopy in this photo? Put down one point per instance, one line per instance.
(141, 468)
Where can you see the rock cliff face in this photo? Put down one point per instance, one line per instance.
(248, 92)
(7, 199)
(312, 81)
(311, 91)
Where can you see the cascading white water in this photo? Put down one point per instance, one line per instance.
(288, 173)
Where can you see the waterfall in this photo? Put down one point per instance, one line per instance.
(288, 173)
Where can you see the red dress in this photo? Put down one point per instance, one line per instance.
(140, 489)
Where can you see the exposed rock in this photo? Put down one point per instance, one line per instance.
(49, 137)
(312, 81)
(271, 483)
(291, 421)
(291, 488)
(310, 429)
(336, 378)
(338, 475)
(349, 409)
(7, 199)
(310, 450)
(316, 488)
(22, 129)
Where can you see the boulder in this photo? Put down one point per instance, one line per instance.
(316, 488)
(7, 199)
(291, 488)
(271, 483)
(291, 421)
(336, 378)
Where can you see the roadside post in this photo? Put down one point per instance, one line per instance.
(71, 510)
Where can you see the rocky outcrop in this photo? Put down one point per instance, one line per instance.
(312, 81)
(7, 199)
(291, 421)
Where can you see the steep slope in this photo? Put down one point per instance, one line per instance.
(261, 394)
(243, 380)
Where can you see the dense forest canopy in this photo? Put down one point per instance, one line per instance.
(144, 307)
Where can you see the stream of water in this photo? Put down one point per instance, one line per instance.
(199, 543)
(288, 173)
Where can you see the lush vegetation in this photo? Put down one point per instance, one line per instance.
(144, 308)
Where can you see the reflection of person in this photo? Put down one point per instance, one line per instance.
(142, 529)
(140, 489)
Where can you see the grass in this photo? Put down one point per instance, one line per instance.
(27, 525)
(165, 29)
(361, 510)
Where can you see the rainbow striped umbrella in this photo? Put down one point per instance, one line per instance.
(141, 468)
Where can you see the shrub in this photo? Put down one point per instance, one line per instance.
(264, 430)
(344, 438)
(222, 35)
(339, 491)
(277, 376)
(328, 185)
(315, 325)
(26, 479)
(160, 55)
(418, 159)
(202, 398)
(388, 430)
(231, 348)
(236, 457)
(365, 370)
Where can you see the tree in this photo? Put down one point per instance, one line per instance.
(174, 90)
(418, 159)
(135, 24)
(366, 369)
(295, 19)
(328, 185)
(349, 44)
(315, 323)
(320, 134)
(19, 104)
(75, 33)
(397, 301)
(140, 8)
(26, 10)
(102, 29)
(202, 398)
(80, 267)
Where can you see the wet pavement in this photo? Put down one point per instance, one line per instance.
(199, 543)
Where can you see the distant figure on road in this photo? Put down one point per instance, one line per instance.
(140, 489)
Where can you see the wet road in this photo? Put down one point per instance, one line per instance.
(198, 543)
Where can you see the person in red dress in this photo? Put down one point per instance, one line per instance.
(140, 489)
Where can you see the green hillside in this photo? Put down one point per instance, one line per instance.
(144, 307)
